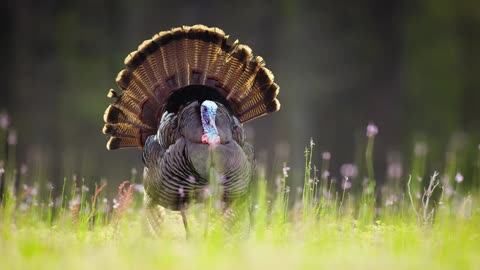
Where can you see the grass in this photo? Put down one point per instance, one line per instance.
(420, 223)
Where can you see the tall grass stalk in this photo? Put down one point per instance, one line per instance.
(88, 229)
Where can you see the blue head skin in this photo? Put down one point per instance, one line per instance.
(208, 110)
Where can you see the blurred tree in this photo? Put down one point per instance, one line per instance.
(408, 66)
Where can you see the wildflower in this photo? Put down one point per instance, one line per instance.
(125, 198)
(2, 171)
(459, 177)
(395, 170)
(134, 172)
(391, 200)
(326, 155)
(372, 130)
(287, 189)
(449, 191)
(49, 186)
(325, 174)
(348, 170)
(285, 171)
(346, 184)
(85, 188)
(311, 143)
(105, 200)
(12, 137)
(206, 192)
(23, 207)
(181, 192)
(191, 179)
(139, 188)
(116, 203)
(74, 203)
(222, 179)
(4, 120)
(23, 169)
(420, 149)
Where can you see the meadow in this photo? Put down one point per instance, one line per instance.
(422, 220)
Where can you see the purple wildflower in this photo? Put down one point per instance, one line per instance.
(420, 149)
(23, 207)
(12, 137)
(181, 192)
(116, 203)
(372, 130)
(346, 184)
(206, 192)
(391, 200)
(326, 155)
(458, 177)
(285, 171)
(73, 203)
(395, 170)
(348, 170)
(23, 169)
(139, 188)
(4, 120)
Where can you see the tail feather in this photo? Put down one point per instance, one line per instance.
(121, 142)
(174, 59)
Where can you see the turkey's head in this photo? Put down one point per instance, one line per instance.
(208, 111)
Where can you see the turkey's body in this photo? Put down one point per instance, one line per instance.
(178, 172)
(186, 93)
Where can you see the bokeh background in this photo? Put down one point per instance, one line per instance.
(411, 67)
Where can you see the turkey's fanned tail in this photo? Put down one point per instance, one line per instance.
(181, 57)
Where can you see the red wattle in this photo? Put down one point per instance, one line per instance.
(204, 139)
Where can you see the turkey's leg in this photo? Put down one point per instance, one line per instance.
(155, 215)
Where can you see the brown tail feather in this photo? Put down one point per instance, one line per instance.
(184, 56)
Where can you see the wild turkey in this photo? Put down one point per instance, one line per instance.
(186, 94)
